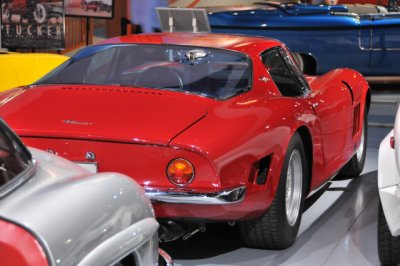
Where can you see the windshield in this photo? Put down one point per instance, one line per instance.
(15, 160)
(210, 72)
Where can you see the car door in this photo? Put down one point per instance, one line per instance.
(332, 105)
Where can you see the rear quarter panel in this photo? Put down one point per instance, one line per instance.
(239, 132)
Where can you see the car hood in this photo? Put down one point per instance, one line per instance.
(101, 113)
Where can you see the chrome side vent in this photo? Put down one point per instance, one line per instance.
(349, 89)
(260, 171)
(263, 170)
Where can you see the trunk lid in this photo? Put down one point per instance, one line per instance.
(108, 113)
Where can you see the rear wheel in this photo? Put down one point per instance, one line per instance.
(306, 63)
(388, 245)
(278, 227)
(354, 167)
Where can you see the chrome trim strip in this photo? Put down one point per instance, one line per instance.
(383, 79)
(229, 196)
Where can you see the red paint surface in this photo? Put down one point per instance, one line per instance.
(19, 248)
(139, 131)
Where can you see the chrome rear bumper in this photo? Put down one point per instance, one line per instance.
(229, 196)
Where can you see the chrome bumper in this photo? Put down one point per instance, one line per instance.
(187, 197)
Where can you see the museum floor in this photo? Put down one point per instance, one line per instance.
(339, 228)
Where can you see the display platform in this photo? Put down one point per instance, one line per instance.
(339, 228)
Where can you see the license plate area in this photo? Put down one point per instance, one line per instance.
(91, 167)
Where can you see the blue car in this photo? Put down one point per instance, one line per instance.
(323, 37)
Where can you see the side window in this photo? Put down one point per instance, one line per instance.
(281, 73)
(15, 159)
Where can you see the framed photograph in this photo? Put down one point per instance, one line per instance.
(90, 8)
(32, 24)
(183, 19)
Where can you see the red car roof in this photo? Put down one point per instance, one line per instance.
(241, 43)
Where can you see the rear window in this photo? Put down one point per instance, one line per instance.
(209, 72)
(15, 160)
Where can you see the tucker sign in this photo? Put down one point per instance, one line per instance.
(32, 24)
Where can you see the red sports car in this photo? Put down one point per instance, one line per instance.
(214, 127)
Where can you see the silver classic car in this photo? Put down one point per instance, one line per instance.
(54, 212)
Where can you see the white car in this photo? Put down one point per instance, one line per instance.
(389, 193)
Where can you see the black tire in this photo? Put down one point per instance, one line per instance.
(306, 64)
(354, 167)
(273, 230)
(388, 245)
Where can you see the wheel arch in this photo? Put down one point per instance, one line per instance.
(306, 138)
(368, 99)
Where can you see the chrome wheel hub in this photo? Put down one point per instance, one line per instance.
(293, 187)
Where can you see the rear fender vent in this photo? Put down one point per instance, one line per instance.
(356, 120)
(260, 171)
(349, 89)
(112, 89)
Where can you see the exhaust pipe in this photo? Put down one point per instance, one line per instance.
(201, 228)
(171, 230)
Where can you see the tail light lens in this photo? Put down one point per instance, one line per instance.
(180, 172)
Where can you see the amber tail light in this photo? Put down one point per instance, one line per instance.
(180, 172)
